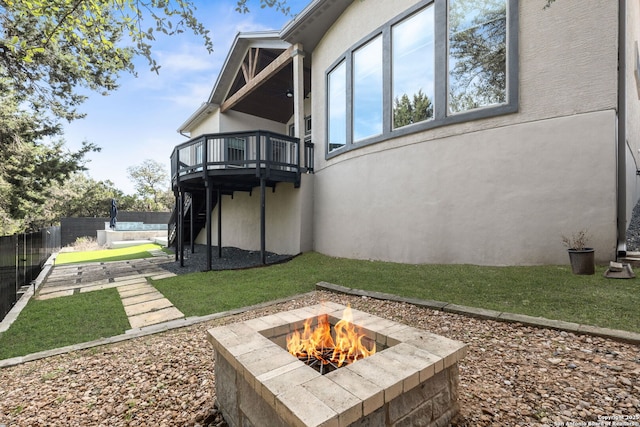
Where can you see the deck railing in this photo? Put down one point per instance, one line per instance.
(261, 151)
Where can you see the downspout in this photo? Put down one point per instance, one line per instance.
(622, 130)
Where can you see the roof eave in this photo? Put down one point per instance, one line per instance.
(235, 56)
(310, 25)
(204, 110)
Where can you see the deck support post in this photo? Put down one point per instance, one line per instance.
(181, 227)
(209, 208)
(263, 197)
(191, 218)
(177, 224)
(219, 223)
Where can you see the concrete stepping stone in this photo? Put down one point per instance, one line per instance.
(162, 275)
(84, 288)
(147, 307)
(142, 298)
(142, 302)
(136, 290)
(58, 294)
(155, 317)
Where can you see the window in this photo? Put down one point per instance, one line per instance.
(236, 149)
(413, 66)
(307, 125)
(440, 62)
(367, 90)
(337, 111)
(477, 53)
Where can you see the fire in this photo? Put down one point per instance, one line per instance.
(319, 345)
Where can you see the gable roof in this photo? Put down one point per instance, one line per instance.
(231, 66)
(307, 28)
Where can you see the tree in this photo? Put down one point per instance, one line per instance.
(81, 196)
(407, 111)
(478, 49)
(49, 49)
(150, 181)
(29, 168)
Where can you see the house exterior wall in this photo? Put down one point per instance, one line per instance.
(632, 101)
(493, 191)
(211, 124)
(234, 121)
(287, 213)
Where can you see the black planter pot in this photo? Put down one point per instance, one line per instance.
(582, 260)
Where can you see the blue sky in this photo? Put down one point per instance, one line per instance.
(140, 120)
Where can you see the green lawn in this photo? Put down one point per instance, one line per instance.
(59, 322)
(105, 255)
(546, 291)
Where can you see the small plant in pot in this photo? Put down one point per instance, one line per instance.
(582, 258)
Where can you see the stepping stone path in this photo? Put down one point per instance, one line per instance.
(142, 302)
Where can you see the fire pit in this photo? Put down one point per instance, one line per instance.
(326, 349)
(408, 375)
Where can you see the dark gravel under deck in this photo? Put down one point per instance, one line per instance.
(232, 259)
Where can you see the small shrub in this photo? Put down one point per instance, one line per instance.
(577, 241)
(86, 243)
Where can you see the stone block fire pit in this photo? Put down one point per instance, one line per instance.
(411, 379)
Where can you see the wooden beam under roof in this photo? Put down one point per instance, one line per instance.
(269, 71)
(250, 64)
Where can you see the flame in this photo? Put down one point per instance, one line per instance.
(319, 344)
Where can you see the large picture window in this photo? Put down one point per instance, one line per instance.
(367, 90)
(337, 109)
(413, 66)
(477, 53)
(438, 63)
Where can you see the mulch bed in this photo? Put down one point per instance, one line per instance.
(513, 375)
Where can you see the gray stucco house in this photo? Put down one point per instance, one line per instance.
(421, 131)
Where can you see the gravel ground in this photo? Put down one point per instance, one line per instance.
(512, 376)
(633, 232)
(232, 258)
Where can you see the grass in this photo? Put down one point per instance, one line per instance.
(105, 255)
(545, 291)
(58, 322)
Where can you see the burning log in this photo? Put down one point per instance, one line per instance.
(319, 349)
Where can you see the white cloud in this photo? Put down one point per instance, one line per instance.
(187, 58)
(190, 95)
(139, 121)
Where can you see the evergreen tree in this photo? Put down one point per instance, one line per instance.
(51, 52)
(407, 111)
(477, 45)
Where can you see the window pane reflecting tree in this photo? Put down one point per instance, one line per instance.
(367, 90)
(477, 53)
(413, 68)
(337, 107)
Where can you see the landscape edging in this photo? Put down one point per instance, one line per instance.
(540, 322)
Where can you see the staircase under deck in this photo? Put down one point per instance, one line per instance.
(205, 168)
